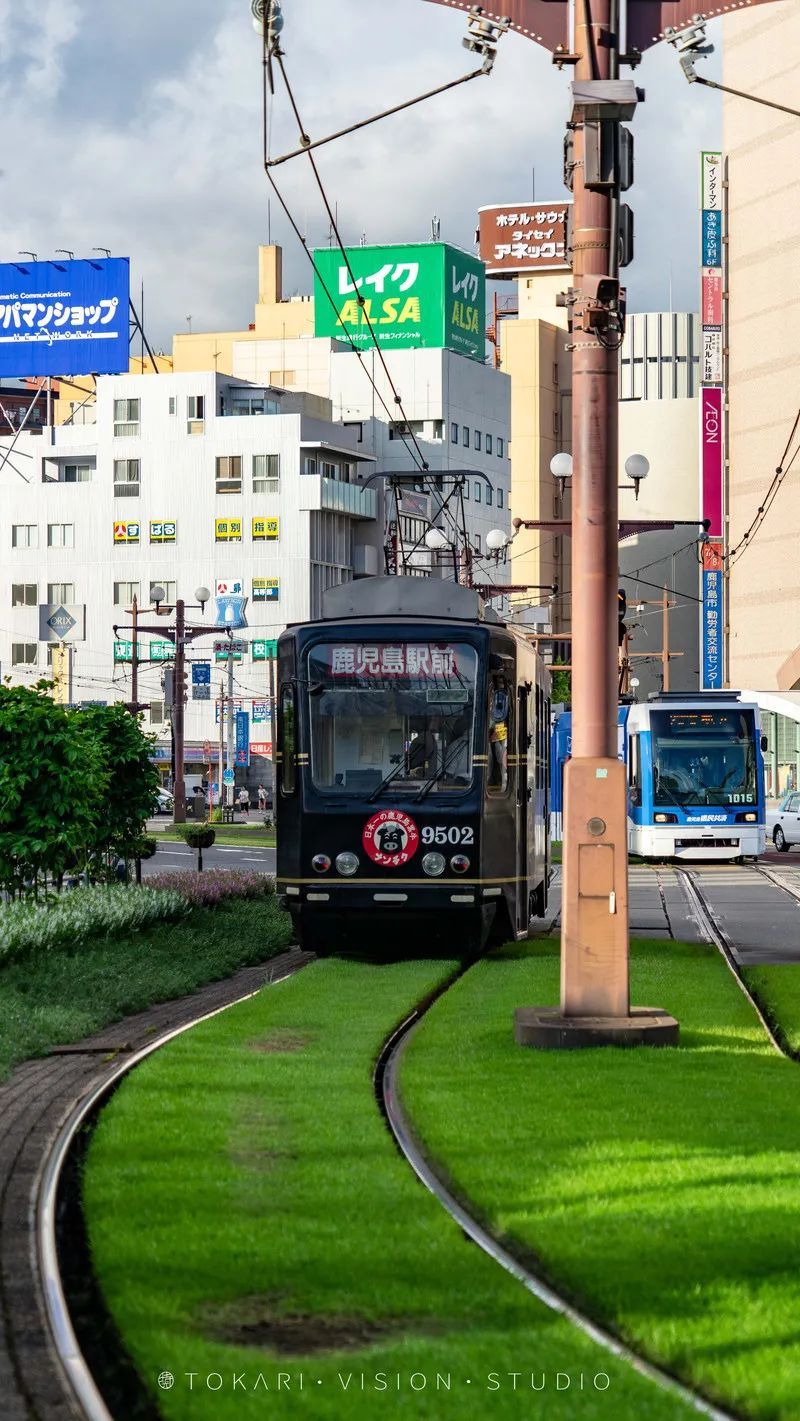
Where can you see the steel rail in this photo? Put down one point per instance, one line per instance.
(79, 1381)
(387, 1092)
(708, 924)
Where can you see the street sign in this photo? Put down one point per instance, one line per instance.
(201, 693)
(228, 777)
(263, 650)
(161, 651)
(223, 649)
(242, 737)
(215, 786)
(201, 673)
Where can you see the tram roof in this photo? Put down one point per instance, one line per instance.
(381, 597)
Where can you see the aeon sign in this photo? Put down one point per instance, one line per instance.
(711, 435)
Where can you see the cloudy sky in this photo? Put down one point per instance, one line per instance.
(136, 125)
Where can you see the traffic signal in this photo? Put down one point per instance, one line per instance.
(169, 686)
(182, 685)
(622, 607)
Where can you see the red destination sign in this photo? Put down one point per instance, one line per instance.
(712, 296)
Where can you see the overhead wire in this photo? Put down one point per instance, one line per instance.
(769, 497)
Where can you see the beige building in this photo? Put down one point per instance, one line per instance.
(275, 319)
(761, 53)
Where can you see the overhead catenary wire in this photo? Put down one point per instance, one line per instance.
(769, 497)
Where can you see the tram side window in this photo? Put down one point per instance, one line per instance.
(499, 733)
(289, 747)
(634, 771)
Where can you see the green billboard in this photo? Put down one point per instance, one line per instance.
(428, 294)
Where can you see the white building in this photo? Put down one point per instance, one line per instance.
(457, 410)
(184, 481)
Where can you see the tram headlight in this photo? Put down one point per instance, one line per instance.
(433, 865)
(347, 864)
(750, 818)
(459, 863)
(320, 863)
(665, 818)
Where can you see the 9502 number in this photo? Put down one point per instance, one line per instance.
(455, 834)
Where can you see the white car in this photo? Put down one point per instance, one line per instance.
(783, 823)
(163, 802)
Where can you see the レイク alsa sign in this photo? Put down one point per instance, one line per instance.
(429, 295)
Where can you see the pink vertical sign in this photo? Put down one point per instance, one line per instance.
(711, 437)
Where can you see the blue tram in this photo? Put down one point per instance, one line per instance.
(695, 775)
(412, 770)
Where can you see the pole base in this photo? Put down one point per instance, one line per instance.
(547, 1029)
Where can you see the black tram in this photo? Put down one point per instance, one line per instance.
(412, 771)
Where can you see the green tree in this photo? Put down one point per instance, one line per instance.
(52, 789)
(130, 775)
(562, 686)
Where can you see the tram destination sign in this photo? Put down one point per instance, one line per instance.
(386, 662)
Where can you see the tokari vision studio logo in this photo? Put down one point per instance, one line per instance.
(390, 838)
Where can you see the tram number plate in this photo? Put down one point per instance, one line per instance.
(452, 834)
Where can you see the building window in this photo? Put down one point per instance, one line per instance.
(24, 594)
(555, 373)
(280, 378)
(477, 542)
(453, 433)
(500, 446)
(24, 535)
(126, 417)
(23, 653)
(266, 473)
(61, 535)
(477, 495)
(77, 473)
(555, 423)
(465, 439)
(478, 440)
(173, 404)
(288, 746)
(489, 495)
(61, 592)
(229, 473)
(195, 414)
(170, 592)
(488, 444)
(309, 466)
(126, 478)
(500, 498)
(124, 593)
(438, 429)
(466, 490)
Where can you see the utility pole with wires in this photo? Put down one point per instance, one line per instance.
(221, 755)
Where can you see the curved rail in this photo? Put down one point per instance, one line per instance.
(386, 1089)
(77, 1376)
(709, 925)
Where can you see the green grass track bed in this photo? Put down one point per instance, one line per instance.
(249, 1216)
(659, 1188)
(53, 997)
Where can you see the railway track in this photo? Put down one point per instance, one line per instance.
(44, 1109)
(389, 1100)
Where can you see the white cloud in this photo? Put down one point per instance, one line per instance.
(170, 172)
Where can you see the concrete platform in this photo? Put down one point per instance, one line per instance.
(546, 1029)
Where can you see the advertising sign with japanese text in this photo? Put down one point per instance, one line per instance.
(263, 650)
(126, 532)
(712, 238)
(711, 308)
(524, 237)
(261, 747)
(266, 529)
(266, 589)
(711, 444)
(64, 317)
(711, 179)
(430, 295)
(242, 737)
(711, 363)
(161, 650)
(712, 631)
(161, 532)
(228, 530)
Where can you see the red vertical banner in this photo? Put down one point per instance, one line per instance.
(711, 433)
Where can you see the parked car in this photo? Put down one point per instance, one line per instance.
(163, 802)
(783, 823)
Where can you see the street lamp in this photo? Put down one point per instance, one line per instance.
(497, 541)
(158, 595)
(436, 540)
(637, 467)
(202, 594)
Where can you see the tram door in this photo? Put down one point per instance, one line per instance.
(523, 802)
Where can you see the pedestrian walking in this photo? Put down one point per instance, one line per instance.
(262, 798)
(243, 798)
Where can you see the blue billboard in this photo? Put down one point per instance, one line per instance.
(242, 737)
(712, 238)
(64, 318)
(711, 630)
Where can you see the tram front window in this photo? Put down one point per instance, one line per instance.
(703, 757)
(392, 717)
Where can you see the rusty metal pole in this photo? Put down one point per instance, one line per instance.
(594, 942)
(135, 656)
(665, 641)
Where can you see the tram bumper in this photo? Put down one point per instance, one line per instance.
(687, 842)
(411, 919)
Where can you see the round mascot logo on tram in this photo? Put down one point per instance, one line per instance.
(390, 838)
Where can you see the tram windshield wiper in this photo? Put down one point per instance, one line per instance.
(387, 780)
(449, 759)
(662, 787)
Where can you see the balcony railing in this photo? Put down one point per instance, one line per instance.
(348, 498)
